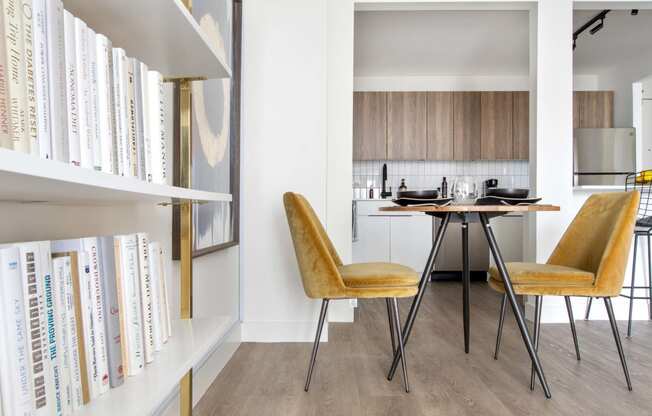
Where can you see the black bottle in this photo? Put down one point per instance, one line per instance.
(403, 187)
(444, 188)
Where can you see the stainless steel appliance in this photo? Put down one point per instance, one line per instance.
(603, 156)
(449, 259)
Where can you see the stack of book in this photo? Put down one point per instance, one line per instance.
(66, 94)
(76, 317)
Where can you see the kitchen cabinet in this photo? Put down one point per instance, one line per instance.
(440, 126)
(508, 231)
(497, 142)
(411, 240)
(406, 125)
(521, 123)
(369, 126)
(373, 239)
(466, 125)
(593, 109)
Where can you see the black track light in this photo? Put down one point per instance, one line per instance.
(597, 28)
(634, 12)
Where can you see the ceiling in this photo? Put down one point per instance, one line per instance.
(414, 43)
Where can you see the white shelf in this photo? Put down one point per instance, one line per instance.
(26, 178)
(191, 341)
(161, 33)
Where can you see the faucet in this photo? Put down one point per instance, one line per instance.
(385, 193)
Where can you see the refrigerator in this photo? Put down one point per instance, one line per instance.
(603, 156)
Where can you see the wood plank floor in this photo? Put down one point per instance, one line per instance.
(349, 378)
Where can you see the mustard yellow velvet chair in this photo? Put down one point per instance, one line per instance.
(325, 277)
(589, 260)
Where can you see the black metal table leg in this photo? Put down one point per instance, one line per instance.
(466, 281)
(509, 289)
(423, 283)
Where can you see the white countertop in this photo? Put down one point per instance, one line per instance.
(608, 188)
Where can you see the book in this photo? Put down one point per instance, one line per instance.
(72, 95)
(120, 118)
(60, 269)
(57, 81)
(30, 277)
(5, 136)
(165, 302)
(128, 285)
(157, 297)
(15, 379)
(132, 127)
(91, 246)
(42, 79)
(93, 103)
(112, 311)
(146, 296)
(105, 107)
(143, 143)
(83, 91)
(30, 83)
(14, 44)
(157, 133)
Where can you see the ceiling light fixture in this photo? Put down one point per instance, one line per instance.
(634, 12)
(600, 17)
(597, 28)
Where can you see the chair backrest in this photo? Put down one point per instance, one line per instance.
(318, 260)
(599, 239)
(642, 182)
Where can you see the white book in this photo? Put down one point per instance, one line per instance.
(120, 110)
(83, 89)
(16, 70)
(15, 376)
(57, 76)
(112, 311)
(144, 145)
(5, 136)
(31, 276)
(105, 115)
(128, 283)
(155, 110)
(131, 66)
(157, 296)
(93, 103)
(59, 265)
(72, 94)
(146, 296)
(31, 133)
(165, 307)
(42, 79)
(101, 377)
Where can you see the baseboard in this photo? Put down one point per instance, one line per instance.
(281, 331)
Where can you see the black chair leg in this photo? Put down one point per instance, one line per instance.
(535, 338)
(315, 347)
(588, 309)
(649, 276)
(569, 307)
(619, 345)
(390, 319)
(631, 289)
(501, 321)
(401, 345)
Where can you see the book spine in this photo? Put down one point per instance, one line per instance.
(167, 321)
(155, 279)
(101, 377)
(83, 89)
(133, 313)
(15, 46)
(157, 127)
(30, 272)
(89, 331)
(72, 94)
(52, 353)
(105, 127)
(61, 323)
(81, 312)
(122, 304)
(144, 141)
(132, 127)
(146, 295)
(5, 136)
(119, 113)
(31, 132)
(112, 311)
(56, 52)
(42, 79)
(15, 378)
(93, 99)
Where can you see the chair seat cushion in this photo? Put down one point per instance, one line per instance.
(529, 278)
(370, 275)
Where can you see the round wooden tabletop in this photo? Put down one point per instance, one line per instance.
(472, 208)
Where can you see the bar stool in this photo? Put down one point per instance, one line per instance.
(641, 181)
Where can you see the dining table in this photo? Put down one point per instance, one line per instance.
(465, 214)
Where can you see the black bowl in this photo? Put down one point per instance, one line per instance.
(508, 192)
(425, 194)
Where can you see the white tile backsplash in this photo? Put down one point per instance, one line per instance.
(429, 174)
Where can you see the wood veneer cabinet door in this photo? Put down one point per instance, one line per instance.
(440, 126)
(497, 142)
(406, 125)
(369, 126)
(595, 109)
(466, 125)
(521, 123)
